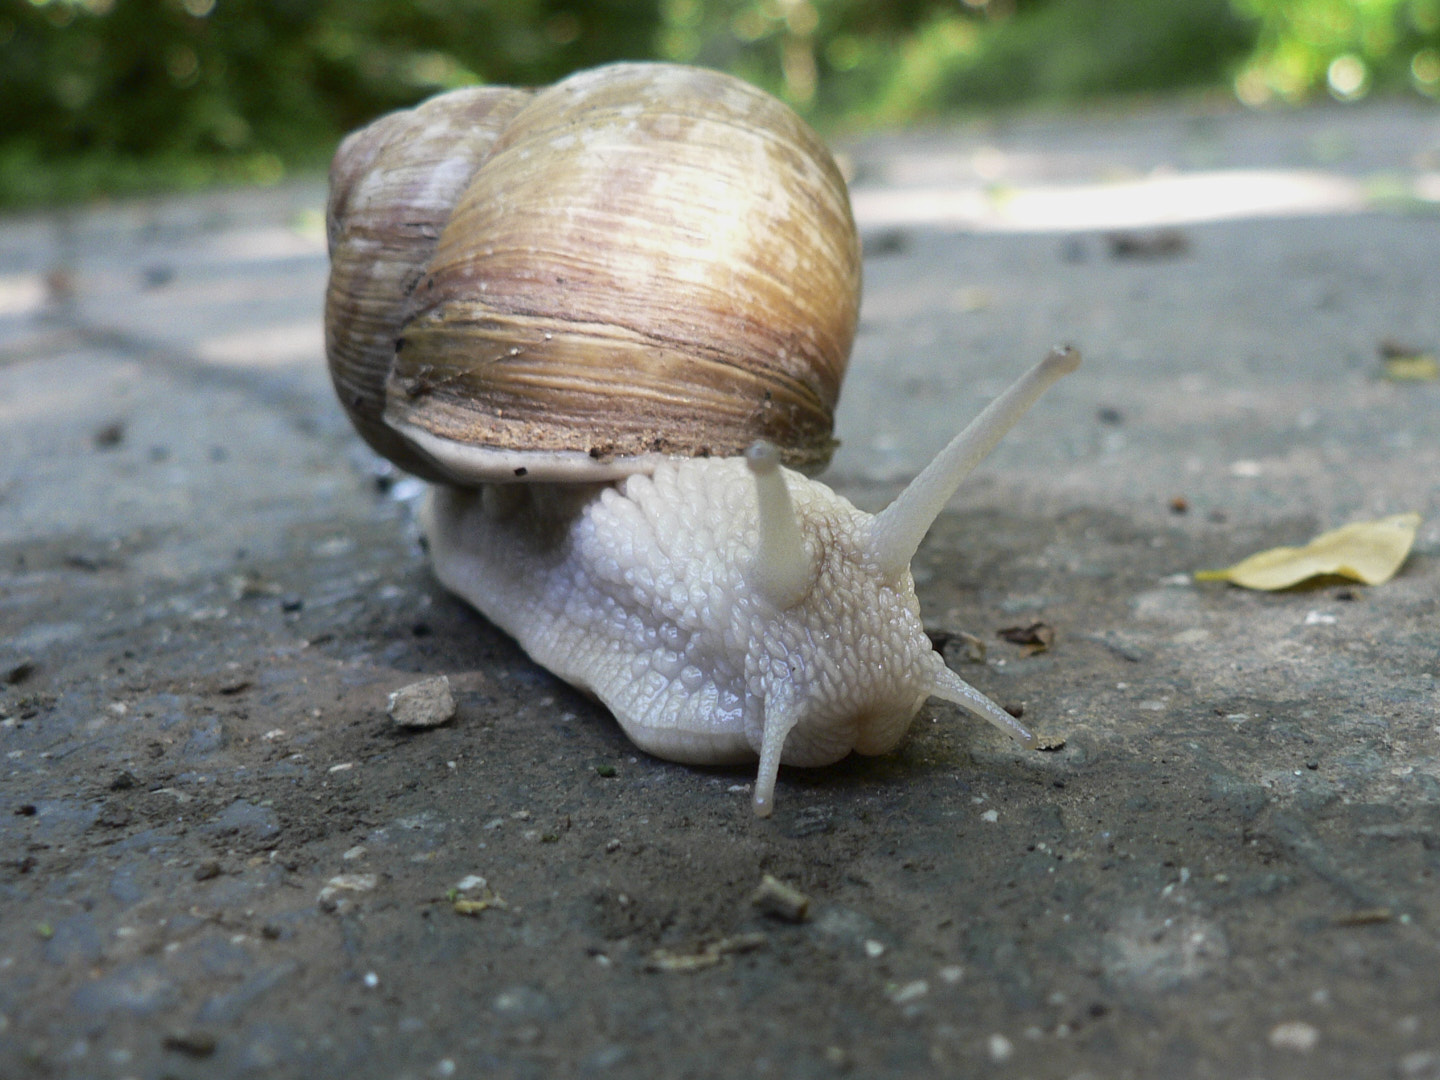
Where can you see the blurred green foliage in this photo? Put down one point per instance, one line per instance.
(127, 95)
(115, 96)
(1346, 46)
(852, 61)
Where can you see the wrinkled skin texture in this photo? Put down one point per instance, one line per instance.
(638, 593)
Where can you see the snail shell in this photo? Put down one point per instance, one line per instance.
(641, 261)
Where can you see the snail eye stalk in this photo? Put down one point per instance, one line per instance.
(781, 570)
(898, 529)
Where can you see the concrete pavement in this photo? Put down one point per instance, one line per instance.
(218, 858)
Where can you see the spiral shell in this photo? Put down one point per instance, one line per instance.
(642, 260)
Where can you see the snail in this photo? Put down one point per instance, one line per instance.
(609, 320)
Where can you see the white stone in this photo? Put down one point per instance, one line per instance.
(424, 704)
(1294, 1035)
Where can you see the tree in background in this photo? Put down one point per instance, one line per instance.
(130, 95)
(859, 61)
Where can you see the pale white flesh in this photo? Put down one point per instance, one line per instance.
(654, 595)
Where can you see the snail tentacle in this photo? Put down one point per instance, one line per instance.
(948, 686)
(782, 712)
(901, 526)
(781, 570)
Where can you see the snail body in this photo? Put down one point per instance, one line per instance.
(660, 553)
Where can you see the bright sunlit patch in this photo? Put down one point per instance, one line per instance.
(1251, 88)
(21, 294)
(1347, 77)
(1427, 187)
(1425, 70)
(273, 346)
(1175, 199)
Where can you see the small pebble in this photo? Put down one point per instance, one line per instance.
(18, 672)
(781, 901)
(1294, 1035)
(109, 436)
(194, 1043)
(335, 896)
(424, 704)
(908, 992)
(1001, 1049)
(233, 684)
(156, 276)
(1420, 1063)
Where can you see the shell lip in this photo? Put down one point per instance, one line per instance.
(465, 464)
(470, 464)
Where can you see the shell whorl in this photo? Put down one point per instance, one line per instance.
(392, 187)
(643, 260)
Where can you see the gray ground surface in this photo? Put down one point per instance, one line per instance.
(208, 589)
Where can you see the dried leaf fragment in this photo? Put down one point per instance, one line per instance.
(707, 955)
(942, 638)
(474, 905)
(664, 960)
(1402, 362)
(1364, 917)
(1420, 368)
(1036, 637)
(1365, 551)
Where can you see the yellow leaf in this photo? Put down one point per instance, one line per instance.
(1418, 368)
(1368, 551)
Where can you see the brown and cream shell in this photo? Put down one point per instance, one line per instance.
(642, 260)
